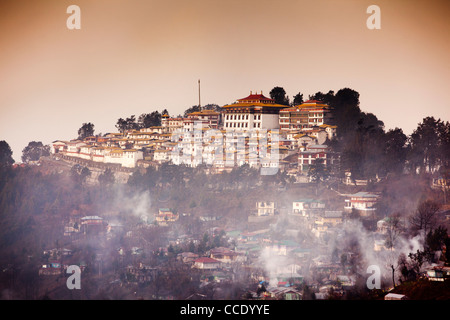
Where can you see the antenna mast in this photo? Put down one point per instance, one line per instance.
(199, 104)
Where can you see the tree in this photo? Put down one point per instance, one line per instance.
(424, 218)
(192, 109)
(318, 171)
(5, 154)
(79, 174)
(326, 98)
(106, 178)
(298, 99)
(34, 151)
(279, 95)
(435, 240)
(86, 130)
(127, 124)
(444, 144)
(346, 110)
(424, 143)
(395, 150)
(417, 260)
(147, 120)
(393, 231)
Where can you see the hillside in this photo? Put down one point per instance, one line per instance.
(423, 289)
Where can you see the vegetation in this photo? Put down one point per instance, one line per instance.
(34, 151)
(86, 130)
(38, 202)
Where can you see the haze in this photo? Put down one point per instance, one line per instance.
(133, 57)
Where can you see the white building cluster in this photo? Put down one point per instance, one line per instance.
(246, 132)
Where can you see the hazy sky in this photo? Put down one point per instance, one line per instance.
(137, 56)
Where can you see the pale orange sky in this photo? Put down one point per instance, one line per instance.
(136, 56)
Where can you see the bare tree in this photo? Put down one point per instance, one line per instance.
(424, 218)
(393, 231)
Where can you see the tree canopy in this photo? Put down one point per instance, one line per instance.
(6, 158)
(34, 150)
(86, 130)
(279, 95)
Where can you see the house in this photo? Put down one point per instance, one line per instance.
(348, 180)
(161, 155)
(125, 157)
(305, 206)
(282, 293)
(304, 140)
(73, 148)
(438, 273)
(265, 208)
(383, 225)
(206, 263)
(187, 257)
(92, 224)
(379, 245)
(171, 124)
(58, 146)
(166, 215)
(49, 270)
(309, 155)
(226, 255)
(330, 130)
(395, 296)
(364, 202)
(329, 218)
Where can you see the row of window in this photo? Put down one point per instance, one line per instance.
(303, 114)
(241, 125)
(241, 117)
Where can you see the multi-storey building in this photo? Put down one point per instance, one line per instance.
(306, 115)
(307, 157)
(254, 111)
(171, 124)
(210, 117)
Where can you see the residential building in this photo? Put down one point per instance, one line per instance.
(332, 218)
(206, 263)
(124, 157)
(170, 125)
(363, 202)
(309, 155)
(226, 255)
(306, 115)
(210, 117)
(265, 208)
(166, 215)
(305, 206)
(438, 273)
